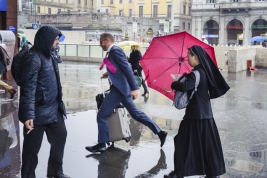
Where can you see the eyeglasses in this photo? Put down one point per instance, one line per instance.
(102, 40)
(192, 51)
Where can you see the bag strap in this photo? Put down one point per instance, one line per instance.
(196, 72)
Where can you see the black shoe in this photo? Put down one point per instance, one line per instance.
(212, 176)
(61, 176)
(101, 147)
(162, 136)
(170, 175)
(144, 94)
(12, 93)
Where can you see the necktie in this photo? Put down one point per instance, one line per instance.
(109, 65)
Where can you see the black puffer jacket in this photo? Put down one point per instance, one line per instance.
(199, 107)
(41, 91)
(134, 59)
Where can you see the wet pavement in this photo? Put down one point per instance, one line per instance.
(241, 117)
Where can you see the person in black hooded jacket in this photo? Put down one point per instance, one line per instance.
(198, 149)
(41, 108)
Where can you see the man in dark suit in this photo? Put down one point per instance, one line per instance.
(123, 90)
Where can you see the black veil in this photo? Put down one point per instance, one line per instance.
(217, 84)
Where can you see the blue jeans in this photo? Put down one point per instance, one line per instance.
(114, 98)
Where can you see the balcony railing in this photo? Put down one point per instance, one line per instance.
(53, 4)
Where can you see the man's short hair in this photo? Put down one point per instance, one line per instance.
(107, 36)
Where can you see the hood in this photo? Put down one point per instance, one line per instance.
(44, 39)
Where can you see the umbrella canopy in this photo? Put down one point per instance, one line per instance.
(126, 45)
(167, 55)
(257, 39)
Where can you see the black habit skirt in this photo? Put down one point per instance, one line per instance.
(198, 149)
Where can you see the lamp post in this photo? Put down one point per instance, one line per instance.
(31, 6)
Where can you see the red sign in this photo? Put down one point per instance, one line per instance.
(234, 26)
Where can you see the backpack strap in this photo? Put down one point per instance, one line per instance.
(196, 72)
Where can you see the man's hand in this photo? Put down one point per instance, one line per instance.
(134, 94)
(29, 124)
(105, 75)
(135, 71)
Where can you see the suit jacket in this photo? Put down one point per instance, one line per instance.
(199, 107)
(123, 79)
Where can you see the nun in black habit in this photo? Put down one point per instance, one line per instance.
(198, 149)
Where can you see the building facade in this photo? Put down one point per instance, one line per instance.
(229, 22)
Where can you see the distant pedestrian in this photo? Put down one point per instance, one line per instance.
(134, 59)
(198, 149)
(41, 108)
(4, 62)
(255, 43)
(23, 41)
(123, 90)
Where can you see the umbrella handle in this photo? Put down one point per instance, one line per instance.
(167, 91)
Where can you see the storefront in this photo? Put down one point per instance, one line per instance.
(259, 27)
(234, 30)
(211, 32)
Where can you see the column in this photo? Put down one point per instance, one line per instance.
(222, 30)
(246, 30)
(193, 30)
(199, 29)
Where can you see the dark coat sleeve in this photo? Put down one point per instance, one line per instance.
(30, 72)
(189, 84)
(125, 68)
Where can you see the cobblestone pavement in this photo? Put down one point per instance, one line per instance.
(240, 116)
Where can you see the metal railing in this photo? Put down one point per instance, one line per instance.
(87, 51)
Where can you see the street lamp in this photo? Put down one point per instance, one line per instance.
(31, 6)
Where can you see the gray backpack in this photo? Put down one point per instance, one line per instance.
(181, 98)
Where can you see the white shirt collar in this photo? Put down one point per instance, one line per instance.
(109, 48)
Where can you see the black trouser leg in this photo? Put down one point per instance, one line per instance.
(56, 136)
(143, 81)
(31, 146)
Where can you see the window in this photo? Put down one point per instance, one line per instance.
(85, 2)
(49, 10)
(102, 1)
(120, 12)
(107, 11)
(120, 1)
(79, 1)
(140, 11)
(188, 26)
(130, 1)
(92, 3)
(183, 26)
(184, 11)
(169, 10)
(111, 1)
(130, 12)
(155, 11)
(38, 10)
(59, 1)
(58, 11)
(189, 10)
(237, 0)
(211, 1)
(67, 1)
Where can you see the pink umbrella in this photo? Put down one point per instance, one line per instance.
(167, 55)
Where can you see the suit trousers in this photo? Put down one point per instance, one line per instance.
(113, 99)
(139, 71)
(56, 135)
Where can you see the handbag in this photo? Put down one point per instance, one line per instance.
(138, 80)
(181, 99)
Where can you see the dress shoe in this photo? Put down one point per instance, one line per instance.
(162, 136)
(170, 175)
(61, 176)
(144, 94)
(101, 147)
(12, 93)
